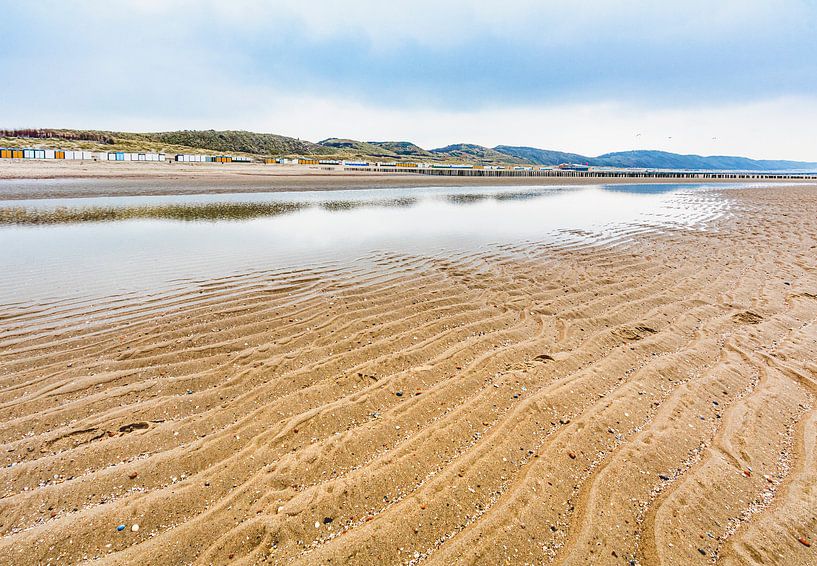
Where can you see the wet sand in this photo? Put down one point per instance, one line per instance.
(646, 397)
(76, 179)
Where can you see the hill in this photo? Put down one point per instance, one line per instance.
(475, 153)
(405, 149)
(237, 141)
(665, 160)
(541, 156)
(354, 148)
(184, 141)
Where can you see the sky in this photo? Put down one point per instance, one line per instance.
(711, 77)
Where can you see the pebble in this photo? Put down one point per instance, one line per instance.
(663, 477)
(133, 475)
(399, 393)
(189, 391)
(135, 528)
(804, 541)
(317, 525)
(702, 551)
(327, 520)
(120, 528)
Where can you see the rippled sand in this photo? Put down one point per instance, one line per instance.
(646, 397)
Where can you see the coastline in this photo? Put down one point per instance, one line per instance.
(39, 179)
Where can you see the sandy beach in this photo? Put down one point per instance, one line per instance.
(76, 179)
(643, 398)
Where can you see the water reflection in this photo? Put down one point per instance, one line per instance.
(133, 244)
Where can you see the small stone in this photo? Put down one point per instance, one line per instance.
(135, 528)
(664, 477)
(572, 455)
(189, 391)
(564, 420)
(133, 475)
(317, 524)
(327, 520)
(399, 393)
(804, 541)
(702, 551)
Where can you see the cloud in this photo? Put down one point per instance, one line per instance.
(436, 71)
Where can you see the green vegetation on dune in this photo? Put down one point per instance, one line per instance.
(477, 154)
(239, 141)
(357, 148)
(405, 149)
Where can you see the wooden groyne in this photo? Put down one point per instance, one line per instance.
(697, 175)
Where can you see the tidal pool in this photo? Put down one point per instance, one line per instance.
(59, 249)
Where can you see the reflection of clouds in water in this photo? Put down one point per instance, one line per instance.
(141, 252)
(654, 189)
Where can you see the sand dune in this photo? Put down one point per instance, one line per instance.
(645, 398)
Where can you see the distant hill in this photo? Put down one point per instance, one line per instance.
(650, 159)
(665, 160)
(267, 145)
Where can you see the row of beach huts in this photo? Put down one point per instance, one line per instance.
(31, 153)
(28, 153)
(49, 154)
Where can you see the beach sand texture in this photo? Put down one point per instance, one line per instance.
(647, 397)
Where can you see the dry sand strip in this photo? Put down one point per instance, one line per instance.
(82, 179)
(648, 398)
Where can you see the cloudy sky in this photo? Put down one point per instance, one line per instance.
(735, 77)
